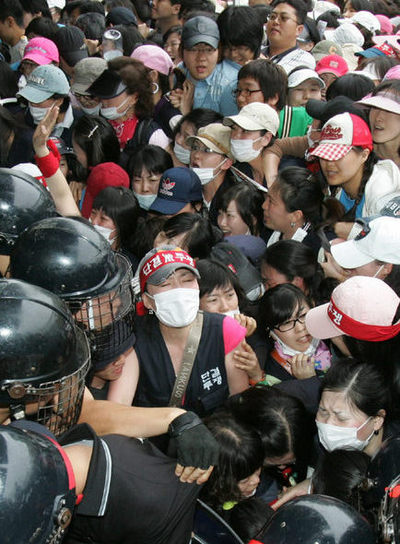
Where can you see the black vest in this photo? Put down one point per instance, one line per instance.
(208, 385)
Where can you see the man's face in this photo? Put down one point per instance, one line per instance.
(162, 9)
(283, 27)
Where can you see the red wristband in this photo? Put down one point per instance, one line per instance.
(49, 164)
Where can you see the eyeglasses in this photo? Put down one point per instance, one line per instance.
(289, 325)
(281, 18)
(245, 92)
(85, 98)
(198, 147)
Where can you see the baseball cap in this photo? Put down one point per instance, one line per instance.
(255, 116)
(215, 136)
(178, 186)
(392, 73)
(60, 4)
(386, 25)
(120, 16)
(86, 71)
(332, 64)
(253, 247)
(380, 242)
(319, 109)
(62, 147)
(367, 20)
(371, 52)
(322, 6)
(325, 48)
(154, 57)
(297, 77)
(345, 33)
(43, 82)
(361, 307)
(106, 174)
(385, 100)
(159, 263)
(70, 41)
(41, 51)
(340, 134)
(107, 85)
(393, 40)
(200, 29)
(32, 170)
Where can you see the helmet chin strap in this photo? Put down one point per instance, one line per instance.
(17, 411)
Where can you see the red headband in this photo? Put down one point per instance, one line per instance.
(359, 330)
(160, 259)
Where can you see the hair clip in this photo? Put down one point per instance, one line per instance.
(92, 131)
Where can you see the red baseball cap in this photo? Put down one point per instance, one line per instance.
(333, 64)
(101, 176)
(340, 134)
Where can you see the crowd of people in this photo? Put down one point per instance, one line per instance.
(200, 271)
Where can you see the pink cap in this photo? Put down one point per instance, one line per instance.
(334, 64)
(361, 307)
(392, 73)
(41, 51)
(154, 57)
(386, 25)
(340, 134)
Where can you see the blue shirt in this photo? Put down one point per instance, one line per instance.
(348, 203)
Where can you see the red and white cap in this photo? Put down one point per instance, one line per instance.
(361, 307)
(340, 134)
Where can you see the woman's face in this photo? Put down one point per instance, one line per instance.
(80, 154)
(343, 170)
(248, 91)
(230, 221)
(249, 485)
(171, 46)
(300, 95)
(187, 129)
(271, 277)
(385, 125)
(122, 102)
(147, 183)
(64, 165)
(349, 11)
(336, 409)
(200, 60)
(240, 54)
(276, 216)
(294, 333)
(220, 301)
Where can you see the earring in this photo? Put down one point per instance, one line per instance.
(292, 224)
(156, 87)
(376, 432)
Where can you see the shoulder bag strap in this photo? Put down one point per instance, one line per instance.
(189, 355)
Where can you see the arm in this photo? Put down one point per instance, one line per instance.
(238, 379)
(123, 390)
(56, 183)
(246, 360)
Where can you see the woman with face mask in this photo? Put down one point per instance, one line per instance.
(169, 289)
(125, 93)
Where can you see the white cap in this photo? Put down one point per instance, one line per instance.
(345, 33)
(60, 4)
(322, 6)
(31, 169)
(367, 20)
(255, 116)
(299, 76)
(381, 243)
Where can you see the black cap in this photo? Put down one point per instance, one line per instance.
(318, 109)
(107, 85)
(62, 146)
(121, 16)
(70, 41)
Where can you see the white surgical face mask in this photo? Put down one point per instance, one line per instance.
(112, 113)
(177, 307)
(207, 174)
(181, 153)
(145, 201)
(91, 111)
(334, 437)
(292, 352)
(105, 232)
(38, 114)
(243, 150)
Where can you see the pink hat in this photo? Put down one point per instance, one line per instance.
(392, 73)
(384, 100)
(333, 64)
(41, 51)
(386, 25)
(154, 57)
(106, 174)
(361, 307)
(340, 134)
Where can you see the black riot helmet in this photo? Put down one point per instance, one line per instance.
(317, 518)
(23, 200)
(37, 494)
(71, 259)
(389, 515)
(44, 356)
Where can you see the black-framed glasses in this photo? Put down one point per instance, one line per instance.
(289, 325)
(281, 17)
(245, 92)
